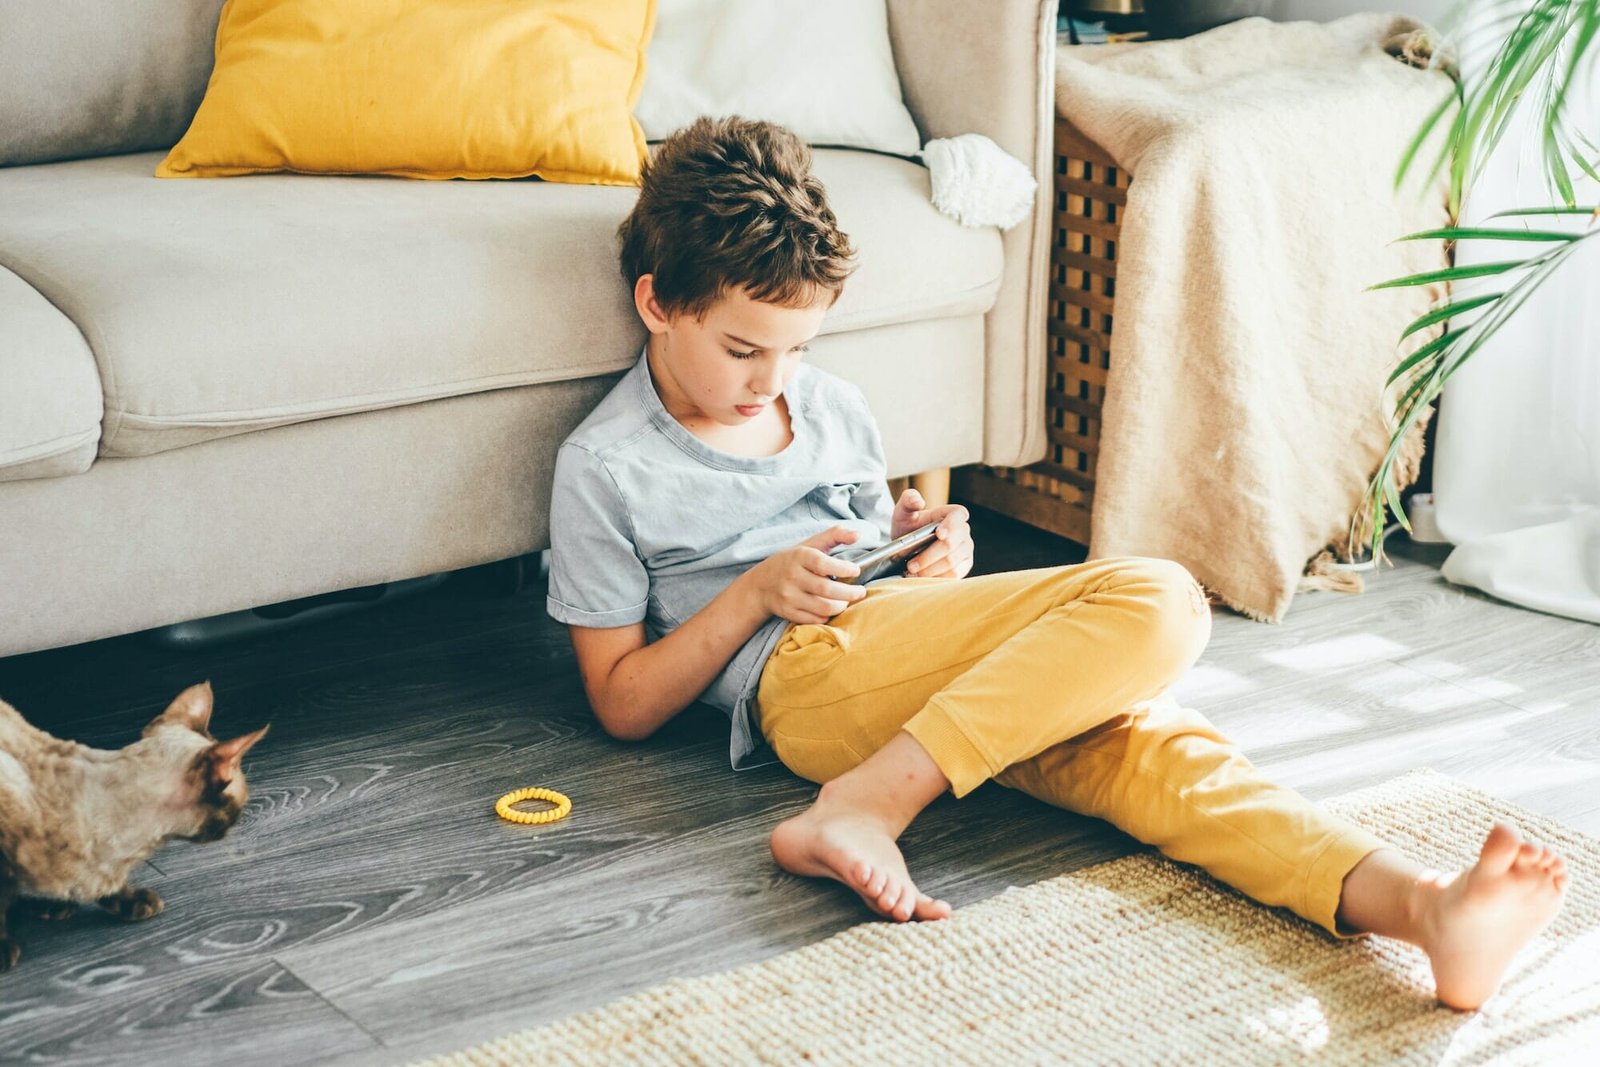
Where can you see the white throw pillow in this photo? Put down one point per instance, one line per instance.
(823, 68)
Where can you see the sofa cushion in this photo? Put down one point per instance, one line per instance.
(826, 71)
(488, 89)
(216, 308)
(49, 391)
(87, 77)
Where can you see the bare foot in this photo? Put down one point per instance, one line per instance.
(1475, 921)
(832, 839)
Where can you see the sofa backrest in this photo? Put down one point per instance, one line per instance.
(98, 77)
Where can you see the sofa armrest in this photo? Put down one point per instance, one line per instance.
(989, 68)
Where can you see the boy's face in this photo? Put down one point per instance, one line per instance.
(733, 362)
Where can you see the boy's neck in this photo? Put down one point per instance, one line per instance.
(661, 381)
(765, 435)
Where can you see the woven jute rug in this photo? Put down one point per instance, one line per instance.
(1135, 961)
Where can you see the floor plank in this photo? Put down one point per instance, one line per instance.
(370, 908)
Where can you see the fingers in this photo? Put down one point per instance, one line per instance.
(833, 596)
(925, 564)
(818, 599)
(832, 537)
(956, 564)
(826, 566)
(949, 556)
(956, 516)
(807, 591)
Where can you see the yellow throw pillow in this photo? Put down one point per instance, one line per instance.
(423, 89)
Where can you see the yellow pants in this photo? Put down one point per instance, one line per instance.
(1054, 682)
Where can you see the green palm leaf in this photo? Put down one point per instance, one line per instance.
(1443, 341)
(1542, 49)
(1559, 210)
(1432, 365)
(1453, 274)
(1447, 311)
(1456, 233)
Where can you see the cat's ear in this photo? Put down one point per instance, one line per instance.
(191, 708)
(224, 756)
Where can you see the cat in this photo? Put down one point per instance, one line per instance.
(75, 821)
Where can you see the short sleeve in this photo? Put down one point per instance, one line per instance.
(596, 576)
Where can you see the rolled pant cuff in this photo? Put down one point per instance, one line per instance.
(1325, 879)
(960, 760)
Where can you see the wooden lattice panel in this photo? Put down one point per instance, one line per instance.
(1057, 492)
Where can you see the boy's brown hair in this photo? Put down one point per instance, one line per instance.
(732, 203)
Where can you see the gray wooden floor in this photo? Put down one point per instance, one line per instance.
(370, 908)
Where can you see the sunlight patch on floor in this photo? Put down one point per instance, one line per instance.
(1544, 707)
(1436, 745)
(1460, 674)
(1511, 780)
(1289, 723)
(1406, 690)
(1302, 1025)
(1549, 981)
(1204, 683)
(1337, 652)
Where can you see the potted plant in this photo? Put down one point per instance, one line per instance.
(1548, 49)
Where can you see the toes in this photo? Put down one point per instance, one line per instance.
(889, 898)
(927, 908)
(1500, 849)
(862, 874)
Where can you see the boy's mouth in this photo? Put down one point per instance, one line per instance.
(749, 410)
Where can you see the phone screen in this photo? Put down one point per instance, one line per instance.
(891, 558)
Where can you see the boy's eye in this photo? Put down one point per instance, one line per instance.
(741, 355)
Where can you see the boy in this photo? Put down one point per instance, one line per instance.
(692, 522)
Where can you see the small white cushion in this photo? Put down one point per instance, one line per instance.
(824, 69)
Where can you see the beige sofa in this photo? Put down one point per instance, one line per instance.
(224, 393)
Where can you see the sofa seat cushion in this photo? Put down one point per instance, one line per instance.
(49, 389)
(224, 306)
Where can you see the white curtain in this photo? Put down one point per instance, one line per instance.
(1517, 464)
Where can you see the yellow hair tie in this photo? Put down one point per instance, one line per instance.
(503, 808)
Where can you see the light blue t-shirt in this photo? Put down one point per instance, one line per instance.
(649, 522)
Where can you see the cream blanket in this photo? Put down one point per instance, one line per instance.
(1242, 415)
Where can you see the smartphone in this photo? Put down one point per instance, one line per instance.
(888, 559)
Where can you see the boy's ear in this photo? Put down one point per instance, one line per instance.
(649, 308)
(191, 708)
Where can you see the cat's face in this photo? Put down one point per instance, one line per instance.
(210, 790)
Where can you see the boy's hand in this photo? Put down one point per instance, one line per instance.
(948, 557)
(798, 584)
